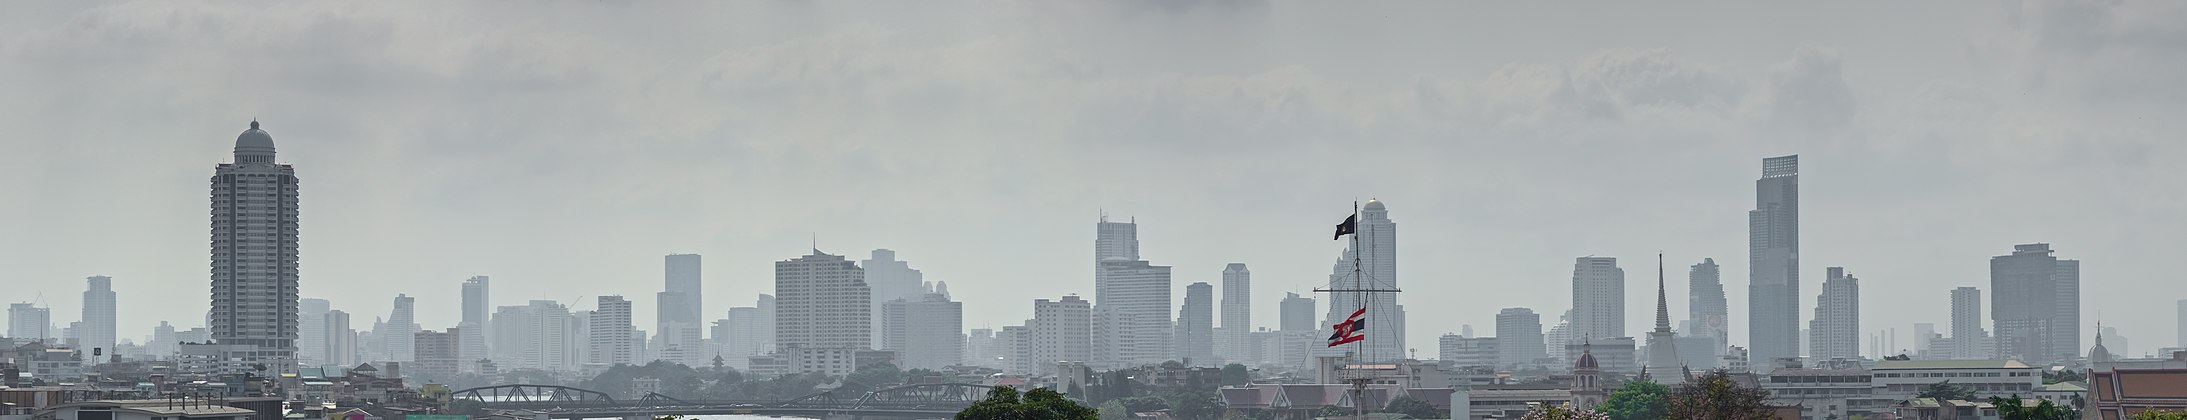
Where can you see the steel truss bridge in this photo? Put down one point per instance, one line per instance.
(561, 402)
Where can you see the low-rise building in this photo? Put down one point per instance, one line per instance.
(145, 410)
(1904, 379)
(1825, 393)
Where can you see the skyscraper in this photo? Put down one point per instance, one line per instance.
(1237, 314)
(890, 280)
(1773, 264)
(438, 354)
(743, 335)
(402, 328)
(1375, 257)
(823, 312)
(1706, 307)
(28, 321)
(1296, 313)
(1835, 331)
(610, 333)
(1598, 298)
(473, 333)
(680, 309)
(1519, 337)
(254, 257)
(1060, 331)
(925, 334)
(2035, 304)
(164, 342)
(98, 319)
(1115, 240)
(311, 337)
(1969, 340)
(341, 340)
(1195, 325)
(1134, 299)
(541, 334)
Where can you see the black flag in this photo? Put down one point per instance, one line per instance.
(1350, 226)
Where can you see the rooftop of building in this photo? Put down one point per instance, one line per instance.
(192, 408)
(1951, 364)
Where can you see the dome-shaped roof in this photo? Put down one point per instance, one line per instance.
(1587, 361)
(254, 140)
(1373, 204)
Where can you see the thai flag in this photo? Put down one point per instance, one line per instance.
(1352, 329)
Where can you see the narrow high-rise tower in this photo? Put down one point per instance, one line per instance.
(1195, 325)
(1773, 264)
(1237, 314)
(1835, 331)
(1519, 337)
(400, 337)
(311, 337)
(1706, 307)
(475, 332)
(611, 332)
(679, 321)
(98, 321)
(1969, 340)
(891, 280)
(1664, 366)
(254, 258)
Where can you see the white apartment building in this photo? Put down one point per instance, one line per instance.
(823, 309)
(1902, 379)
(1060, 331)
(1835, 330)
(1598, 300)
(610, 333)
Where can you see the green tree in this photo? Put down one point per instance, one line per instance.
(1415, 407)
(2013, 409)
(1196, 405)
(1561, 412)
(873, 376)
(1114, 410)
(1637, 400)
(1144, 404)
(2160, 415)
(1004, 403)
(1714, 396)
(2067, 375)
(1236, 375)
(1947, 390)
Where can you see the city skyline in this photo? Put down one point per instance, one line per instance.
(411, 201)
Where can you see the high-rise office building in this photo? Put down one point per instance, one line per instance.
(164, 342)
(1237, 314)
(400, 334)
(477, 323)
(1195, 326)
(1706, 308)
(27, 321)
(1519, 331)
(341, 340)
(890, 279)
(1060, 331)
(254, 257)
(540, 335)
(1296, 313)
(1115, 241)
(925, 334)
(610, 333)
(1134, 299)
(1374, 256)
(311, 336)
(1835, 330)
(2035, 303)
(98, 330)
(1773, 264)
(741, 335)
(1118, 242)
(823, 309)
(1598, 298)
(680, 314)
(1969, 340)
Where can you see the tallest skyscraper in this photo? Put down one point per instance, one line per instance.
(1375, 257)
(254, 257)
(1773, 263)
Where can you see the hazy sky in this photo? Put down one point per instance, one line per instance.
(564, 147)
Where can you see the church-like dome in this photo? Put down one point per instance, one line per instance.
(254, 146)
(1587, 361)
(1373, 204)
(254, 140)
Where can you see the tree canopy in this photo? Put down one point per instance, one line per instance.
(2013, 409)
(1715, 396)
(1415, 407)
(1236, 375)
(1638, 400)
(1561, 412)
(1004, 403)
(1947, 390)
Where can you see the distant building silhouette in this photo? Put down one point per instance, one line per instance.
(1773, 264)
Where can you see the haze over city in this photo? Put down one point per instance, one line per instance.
(564, 148)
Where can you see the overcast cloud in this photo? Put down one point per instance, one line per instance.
(562, 148)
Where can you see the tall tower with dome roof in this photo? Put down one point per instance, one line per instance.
(253, 260)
